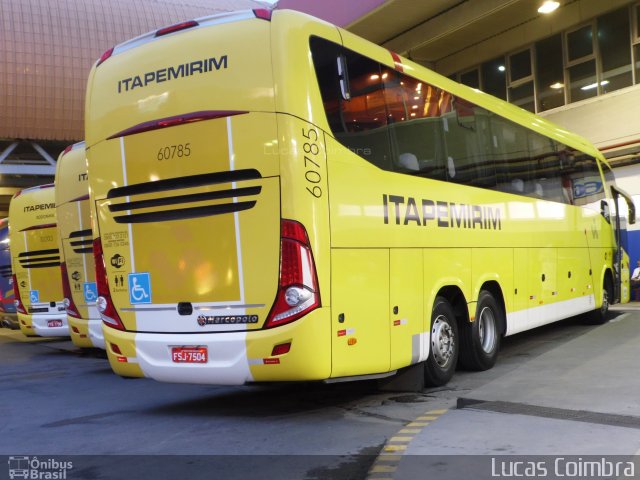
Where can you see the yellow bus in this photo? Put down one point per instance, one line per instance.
(76, 248)
(35, 259)
(287, 201)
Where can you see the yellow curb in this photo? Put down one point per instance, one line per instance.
(435, 412)
(410, 430)
(383, 469)
(400, 439)
(417, 424)
(427, 417)
(387, 457)
(395, 448)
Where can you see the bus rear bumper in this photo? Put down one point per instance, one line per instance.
(95, 333)
(233, 358)
(50, 325)
(86, 333)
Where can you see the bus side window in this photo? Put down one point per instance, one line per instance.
(359, 122)
(467, 134)
(419, 107)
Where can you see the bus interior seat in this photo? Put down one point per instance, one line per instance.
(409, 162)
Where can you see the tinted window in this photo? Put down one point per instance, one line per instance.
(580, 43)
(494, 80)
(402, 124)
(550, 73)
(615, 50)
(360, 122)
(520, 65)
(470, 79)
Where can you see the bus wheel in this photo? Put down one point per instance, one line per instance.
(443, 351)
(480, 339)
(600, 316)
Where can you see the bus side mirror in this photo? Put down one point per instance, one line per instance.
(618, 192)
(343, 76)
(604, 210)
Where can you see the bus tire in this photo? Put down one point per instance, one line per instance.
(601, 315)
(444, 344)
(480, 339)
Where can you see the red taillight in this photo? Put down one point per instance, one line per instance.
(104, 303)
(69, 304)
(298, 284)
(263, 13)
(105, 55)
(176, 28)
(18, 300)
(67, 150)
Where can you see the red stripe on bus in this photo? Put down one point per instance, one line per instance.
(176, 120)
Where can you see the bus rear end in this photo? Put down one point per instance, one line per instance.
(8, 316)
(35, 260)
(76, 248)
(199, 278)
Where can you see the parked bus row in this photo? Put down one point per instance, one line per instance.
(50, 274)
(269, 197)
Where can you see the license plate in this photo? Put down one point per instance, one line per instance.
(189, 354)
(54, 323)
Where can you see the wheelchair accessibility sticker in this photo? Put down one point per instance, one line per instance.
(139, 288)
(90, 291)
(34, 296)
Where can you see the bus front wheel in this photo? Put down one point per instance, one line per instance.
(444, 345)
(601, 315)
(480, 339)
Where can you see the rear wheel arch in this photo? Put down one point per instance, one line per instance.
(493, 287)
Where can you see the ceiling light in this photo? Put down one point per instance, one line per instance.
(548, 6)
(501, 68)
(556, 86)
(594, 85)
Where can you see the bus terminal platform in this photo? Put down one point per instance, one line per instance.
(553, 403)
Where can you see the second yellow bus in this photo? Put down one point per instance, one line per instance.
(76, 248)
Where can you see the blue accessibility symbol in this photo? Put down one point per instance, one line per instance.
(90, 291)
(139, 288)
(34, 296)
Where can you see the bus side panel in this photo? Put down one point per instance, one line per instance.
(493, 264)
(444, 267)
(407, 321)
(360, 306)
(574, 279)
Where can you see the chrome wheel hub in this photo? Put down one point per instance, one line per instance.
(442, 341)
(487, 330)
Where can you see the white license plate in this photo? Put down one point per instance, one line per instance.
(54, 323)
